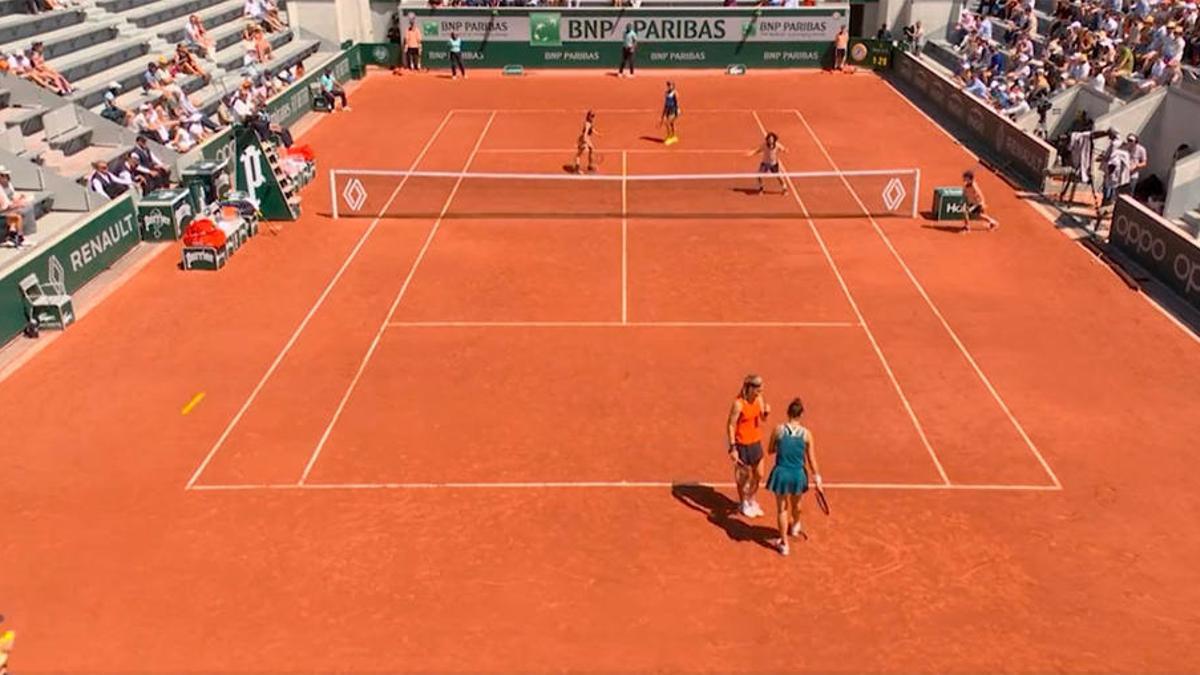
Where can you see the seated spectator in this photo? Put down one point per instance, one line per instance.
(1079, 71)
(883, 34)
(105, 182)
(264, 13)
(39, 6)
(185, 63)
(332, 90)
(113, 112)
(17, 209)
(37, 60)
(182, 141)
(1163, 73)
(156, 172)
(262, 46)
(130, 170)
(189, 115)
(197, 39)
(266, 130)
(146, 122)
(274, 18)
(150, 78)
(242, 104)
(19, 65)
(976, 87)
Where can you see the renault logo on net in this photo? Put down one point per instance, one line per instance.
(355, 194)
(893, 194)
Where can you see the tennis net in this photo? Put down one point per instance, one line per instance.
(365, 193)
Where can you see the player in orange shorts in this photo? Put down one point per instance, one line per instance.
(746, 416)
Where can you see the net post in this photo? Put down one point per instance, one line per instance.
(916, 191)
(333, 192)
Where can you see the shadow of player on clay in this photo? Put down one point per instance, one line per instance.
(720, 511)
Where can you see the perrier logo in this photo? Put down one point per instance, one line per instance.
(545, 29)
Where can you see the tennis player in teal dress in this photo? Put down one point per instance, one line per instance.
(792, 445)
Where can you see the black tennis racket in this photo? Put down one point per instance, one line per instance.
(822, 501)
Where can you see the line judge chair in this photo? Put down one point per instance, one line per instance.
(48, 303)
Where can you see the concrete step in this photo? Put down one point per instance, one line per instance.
(159, 13)
(27, 118)
(86, 63)
(222, 17)
(24, 26)
(69, 38)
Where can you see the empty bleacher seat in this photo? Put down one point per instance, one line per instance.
(65, 132)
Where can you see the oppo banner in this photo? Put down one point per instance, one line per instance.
(1153, 243)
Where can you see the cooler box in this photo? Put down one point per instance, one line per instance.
(237, 231)
(163, 214)
(208, 181)
(948, 203)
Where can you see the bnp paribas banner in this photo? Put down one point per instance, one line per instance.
(676, 37)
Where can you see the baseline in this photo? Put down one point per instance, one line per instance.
(623, 324)
(922, 487)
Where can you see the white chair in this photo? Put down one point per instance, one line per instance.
(48, 303)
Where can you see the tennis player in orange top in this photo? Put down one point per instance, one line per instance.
(746, 416)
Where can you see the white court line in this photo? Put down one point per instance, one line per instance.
(618, 111)
(623, 324)
(920, 487)
(962, 348)
(287, 347)
(362, 366)
(632, 151)
(624, 237)
(887, 368)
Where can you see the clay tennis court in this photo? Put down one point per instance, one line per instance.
(453, 437)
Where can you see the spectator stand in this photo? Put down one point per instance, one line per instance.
(1164, 121)
(65, 138)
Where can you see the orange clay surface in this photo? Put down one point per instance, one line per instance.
(949, 547)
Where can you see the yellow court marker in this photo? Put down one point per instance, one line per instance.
(192, 403)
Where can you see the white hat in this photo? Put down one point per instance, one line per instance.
(3, 170)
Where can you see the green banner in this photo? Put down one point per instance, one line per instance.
(256, 176)
(677, 37)
(383, 54)
(71, 260)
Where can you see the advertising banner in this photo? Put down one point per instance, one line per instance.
(665, 38)
(1165, 252)
(1027, 156)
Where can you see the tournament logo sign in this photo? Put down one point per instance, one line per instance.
(858, 52)
(380, 54)
(545, 29)
(430, 29)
